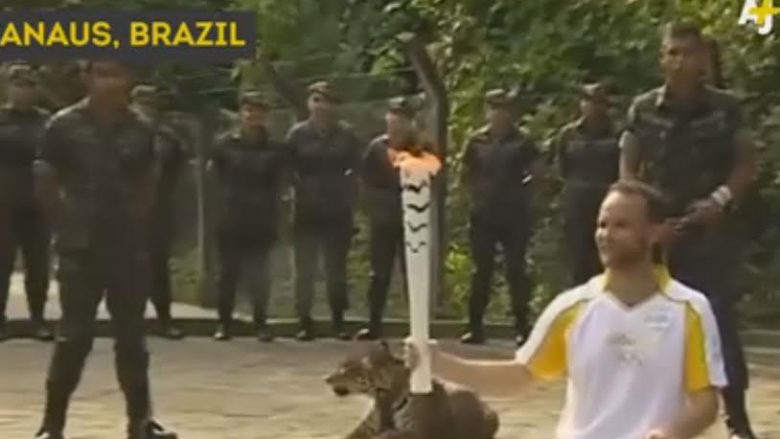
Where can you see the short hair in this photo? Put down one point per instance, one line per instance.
(682, 29)
(88, 64)
(656, 206)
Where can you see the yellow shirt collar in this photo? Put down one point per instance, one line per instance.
(662, 276)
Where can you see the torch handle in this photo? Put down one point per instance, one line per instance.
(420, 381)
(416, 198)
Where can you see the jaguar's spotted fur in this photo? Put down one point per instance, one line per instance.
(447, 413)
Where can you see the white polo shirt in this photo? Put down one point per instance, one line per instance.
(628, 369)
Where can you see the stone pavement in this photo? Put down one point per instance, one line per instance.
(247, 390)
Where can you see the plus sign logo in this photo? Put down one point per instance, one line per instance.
(761, 16)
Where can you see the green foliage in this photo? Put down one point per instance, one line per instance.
(543, 48)
(546, 48)
(311, 40)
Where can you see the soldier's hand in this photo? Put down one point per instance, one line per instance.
(705, 212)
(673, 229)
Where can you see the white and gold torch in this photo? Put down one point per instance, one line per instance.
(417, 172)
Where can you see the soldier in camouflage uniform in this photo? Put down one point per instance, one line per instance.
(383, 195)
(690, 141)
(22, 225)
(96, 178)
(324, 155)
(249, 167)
(172, 156)
(587, 155)
(499, 164)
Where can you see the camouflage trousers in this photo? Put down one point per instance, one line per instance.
(86, 277)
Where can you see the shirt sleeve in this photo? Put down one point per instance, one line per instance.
(52, 149)
(545, 352)
(704, 366)
(628, 138)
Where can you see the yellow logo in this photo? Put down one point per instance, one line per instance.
(760, 15)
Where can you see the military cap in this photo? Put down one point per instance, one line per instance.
(22, 74)
(323, 89)
(252, 97)
(595, 92)
(402, 106)
(500, 97)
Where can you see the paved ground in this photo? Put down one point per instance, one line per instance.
(245, 390)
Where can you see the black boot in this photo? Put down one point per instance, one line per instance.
(138, 404)
(3, 331)
(45, 434)
(520, 309)
(475, 334)
(41, 331)
(476, 330)
(264, 333)
(339, 333)
(733, 434)
(306, 332)
(473, 337)
(54, 413)
(223, 332)
(167, 329)
(376, 304)
(522, 330)
(369, 333)
(737, 420)
(148, 429)
(477, 306)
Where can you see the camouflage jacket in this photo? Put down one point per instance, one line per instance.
(686, 154)
(586, 159)
(106, 178)
(497, 171)
(382, 183)
(20, 136)
(250, 179)
(324, 167)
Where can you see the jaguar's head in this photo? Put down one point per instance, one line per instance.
(369, 373)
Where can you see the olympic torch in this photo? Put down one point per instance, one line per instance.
(416, 172)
